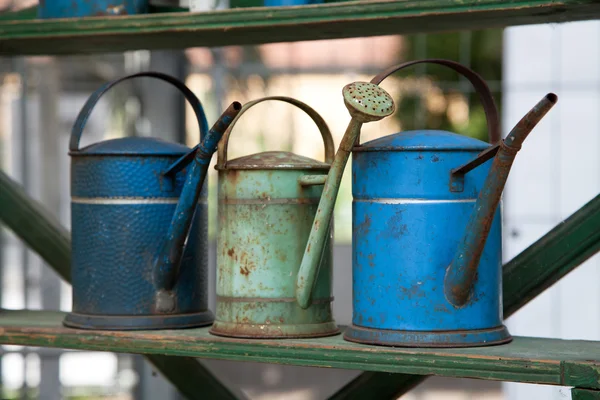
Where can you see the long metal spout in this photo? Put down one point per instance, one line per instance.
(168, 259)
(461, 273)
(366, 102)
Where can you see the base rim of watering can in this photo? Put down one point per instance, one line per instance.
(138, 322)
(459, 338)
(274, 331)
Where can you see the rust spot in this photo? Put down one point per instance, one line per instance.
(365, 225)
(371, 257)
(247, 266)
(308, 248)
(231, 252)
(233, 176)
(435, 158)
(281, 256)
(398, 229)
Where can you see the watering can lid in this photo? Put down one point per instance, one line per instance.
(135, 146)
(274, 160)
(423, 140)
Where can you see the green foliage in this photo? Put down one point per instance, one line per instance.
(480, 50)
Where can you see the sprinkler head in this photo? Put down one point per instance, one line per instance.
(367, 102)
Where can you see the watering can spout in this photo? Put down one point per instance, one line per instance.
(168, 258)
(366, 102)
(462, 271)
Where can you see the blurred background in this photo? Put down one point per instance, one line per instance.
(557, 172)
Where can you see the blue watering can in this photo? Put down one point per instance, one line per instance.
(134, 203)
(90, 8)
(427, 246)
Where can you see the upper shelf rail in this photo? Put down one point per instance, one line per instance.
(244, 26)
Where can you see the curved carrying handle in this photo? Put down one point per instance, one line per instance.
(482, 89)
(89, 105)
(315, 116)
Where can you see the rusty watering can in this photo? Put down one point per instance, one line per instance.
(90, 8)
(134, 202)
(427, 246)
(267, 202)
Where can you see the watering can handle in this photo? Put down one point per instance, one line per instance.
(315, 116)
(482, 89)
(89, 105)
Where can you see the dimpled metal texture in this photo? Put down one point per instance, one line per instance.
(121, 209)
(407, 225)
(367, 101)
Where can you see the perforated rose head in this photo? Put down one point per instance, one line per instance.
(367, 102)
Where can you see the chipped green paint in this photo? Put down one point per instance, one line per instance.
(585, 374)
(267, 203)
(280, 24)
(530, 360)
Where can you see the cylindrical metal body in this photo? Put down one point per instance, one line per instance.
(266, 206)
(121, 210)
(265, 216)
(407, 224)
(95, 8)
(122, 205)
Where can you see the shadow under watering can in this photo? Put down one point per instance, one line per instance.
(427, 244)
(266, 205)
(135, 201)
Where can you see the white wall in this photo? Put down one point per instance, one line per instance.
(556, 172)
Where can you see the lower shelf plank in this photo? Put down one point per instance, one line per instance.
(533, 360)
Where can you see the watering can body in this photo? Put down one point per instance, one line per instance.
(96, 8)
(266, 206)
(121, 210)
(135, 202)
(407, 225)
(427, 240)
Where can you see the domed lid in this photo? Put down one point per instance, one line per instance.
(274, 160)
(134, 146)
(423, 140)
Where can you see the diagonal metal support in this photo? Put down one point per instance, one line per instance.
(47, 237)
(527, 275)
(553, 256)
(584, 394)
(378, 385)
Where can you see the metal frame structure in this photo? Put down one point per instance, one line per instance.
(388, 372)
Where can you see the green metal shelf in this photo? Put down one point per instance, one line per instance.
(532, 360)
(21, 36)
